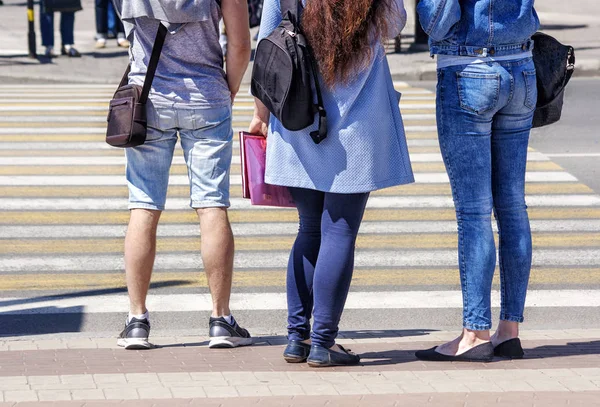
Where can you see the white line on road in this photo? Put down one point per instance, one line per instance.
(568, 155)
(277, 301)
(111, 160)
(278, 259)
(90, 180)
(265, 229)
(102, 119)
(381, 202)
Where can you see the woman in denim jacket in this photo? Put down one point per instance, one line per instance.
(486, 96)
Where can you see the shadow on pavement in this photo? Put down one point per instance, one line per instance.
(88, 293)
(276, 340)
(50, 319)
(562, 26)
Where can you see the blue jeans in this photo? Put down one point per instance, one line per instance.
(484, 116)
(67, 27)
(103, 16)
(321, 262)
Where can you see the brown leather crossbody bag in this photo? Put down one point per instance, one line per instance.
(127, 123)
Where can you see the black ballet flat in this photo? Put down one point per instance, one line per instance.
(480, 353)
(510, 349)
(323, 357)
(296, 352)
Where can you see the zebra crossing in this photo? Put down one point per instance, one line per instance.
(63, 214)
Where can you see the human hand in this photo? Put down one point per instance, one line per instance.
(258, 126)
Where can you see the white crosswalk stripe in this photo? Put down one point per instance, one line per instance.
(34, 118)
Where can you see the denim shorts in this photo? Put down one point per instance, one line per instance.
(206, 139)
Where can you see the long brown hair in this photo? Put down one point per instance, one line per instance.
(341, 33)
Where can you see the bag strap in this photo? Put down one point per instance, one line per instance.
(321, 134)
(293, 7)
(156, 50)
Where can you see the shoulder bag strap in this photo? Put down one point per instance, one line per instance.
(125, 78)
(156, 50)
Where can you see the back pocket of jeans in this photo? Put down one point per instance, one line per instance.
(530, 89)
(478, 92)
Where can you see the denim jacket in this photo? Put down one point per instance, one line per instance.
(478, 28)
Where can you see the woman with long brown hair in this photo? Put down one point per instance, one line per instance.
(365, 150)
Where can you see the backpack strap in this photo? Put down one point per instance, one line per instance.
(321, 134)
(293, 7)
(156, 50)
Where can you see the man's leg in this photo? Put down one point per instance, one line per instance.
(206, 138)
(217, 249)
(147, 176)
(140, 251)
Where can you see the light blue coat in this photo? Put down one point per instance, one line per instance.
(365, 149)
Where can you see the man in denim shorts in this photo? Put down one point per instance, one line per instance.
(191, 96)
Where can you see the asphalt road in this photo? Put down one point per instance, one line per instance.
(63, 214)
(573, 142)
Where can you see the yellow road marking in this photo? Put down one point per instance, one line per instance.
(250, 216)
(111, 152)
(276, 278)
(56, 103)
(51, 113)
(103, 113)
(50, 125)
(99, 137)
(41, 138)
(279, 242)
(181, 169)
(182, 191)
(4, 152)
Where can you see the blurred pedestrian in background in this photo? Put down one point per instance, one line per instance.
(103, 11)
(67, 9)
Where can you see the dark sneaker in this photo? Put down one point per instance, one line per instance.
(135, 335)
(225, 335)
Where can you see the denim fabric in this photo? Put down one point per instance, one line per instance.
(67, 26)
(478, 27)
(206, 138)
(484, 115)
(321, 262)
(102, 17)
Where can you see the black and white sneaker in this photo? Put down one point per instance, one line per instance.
(135, 335)
(225, 335)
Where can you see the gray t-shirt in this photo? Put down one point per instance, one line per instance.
(190, 70)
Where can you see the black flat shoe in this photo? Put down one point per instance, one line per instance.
(511, 349)
(296, 352)
(323, 357)
(480, 353)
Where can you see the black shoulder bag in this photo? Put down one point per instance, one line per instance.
(281, 76)
(127, 111)
(554, 66)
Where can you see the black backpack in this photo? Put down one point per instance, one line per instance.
(281, 77)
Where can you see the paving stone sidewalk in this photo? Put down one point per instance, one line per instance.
(560, 368)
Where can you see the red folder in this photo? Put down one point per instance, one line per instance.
(253, 152)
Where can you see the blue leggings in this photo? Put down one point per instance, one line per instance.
(321, 262)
